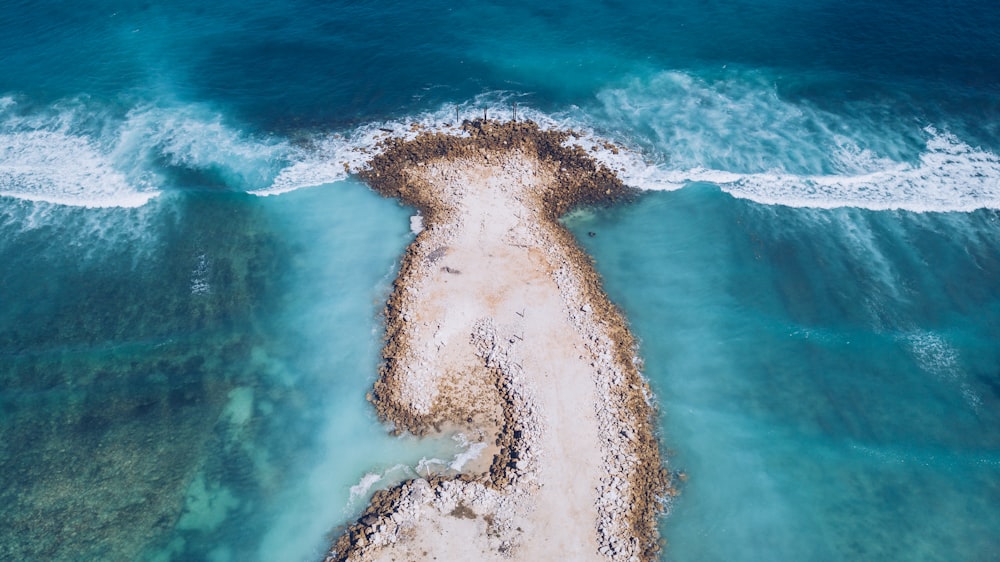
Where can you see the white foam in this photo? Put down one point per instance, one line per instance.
(426, 466)
(471, 452)
(372, 480)
(949, 176)
(331, 158)
(194, 137)
(937, 357)
(718, 133)
(74, 153)
(328, 160)
(59, 168)
(429, 466)
(361, 489)
(741, 135)
(666, 132)
(417, 223)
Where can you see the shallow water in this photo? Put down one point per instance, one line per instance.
(200, 386)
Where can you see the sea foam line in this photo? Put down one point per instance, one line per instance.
(949, 176)
(55, 167)
(946, 175)
(76, 153)
(738, 132)
(660, 134)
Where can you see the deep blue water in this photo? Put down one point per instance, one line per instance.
(813, 272)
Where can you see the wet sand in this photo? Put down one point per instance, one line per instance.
(497, 327)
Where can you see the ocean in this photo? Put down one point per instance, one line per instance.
(191, 279)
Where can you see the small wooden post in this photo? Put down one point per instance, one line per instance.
(515, 112)
(484, 114)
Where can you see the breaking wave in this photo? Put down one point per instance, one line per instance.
(75, 153)
(675, 130)
(739, 133)
(658, 133)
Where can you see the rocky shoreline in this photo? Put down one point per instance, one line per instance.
(490, 391)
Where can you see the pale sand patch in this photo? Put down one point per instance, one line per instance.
(494, 326)
(493, 270)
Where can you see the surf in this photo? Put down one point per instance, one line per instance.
(664, 131)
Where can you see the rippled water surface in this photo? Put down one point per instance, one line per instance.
(191, 279)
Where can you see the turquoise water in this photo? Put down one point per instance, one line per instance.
(191, 385)
(822, 407)
(812, 270)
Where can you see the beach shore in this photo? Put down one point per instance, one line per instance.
(498, 328)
